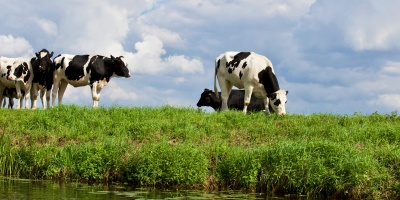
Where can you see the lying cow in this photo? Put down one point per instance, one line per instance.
(16, 73)
(235, 101)
(255, 74)
(82, 70)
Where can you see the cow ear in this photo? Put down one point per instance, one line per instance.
(287, 92)
(112, 58)
(37, 55)
(51, 54)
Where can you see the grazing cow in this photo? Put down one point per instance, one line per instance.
(16, 73)
(235, 101)
(42, 77)
(82, 70)
(255, 74)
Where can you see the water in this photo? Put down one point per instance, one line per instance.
(19, 189)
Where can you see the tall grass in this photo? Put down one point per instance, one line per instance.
(342, 156)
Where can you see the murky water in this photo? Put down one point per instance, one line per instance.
(31, 189)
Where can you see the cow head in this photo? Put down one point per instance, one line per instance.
(208, 98)
(43, 60)
(278, 101)
(120, 67)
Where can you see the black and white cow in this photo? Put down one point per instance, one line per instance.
(255, 74)
(235, 101)
(82, 70)
(11, 94)
(16, 73)
(42, 66)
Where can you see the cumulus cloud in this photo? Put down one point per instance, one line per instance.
(15, 46)
(357, 25)
(149, 59)
(98, 30)
(115, 92)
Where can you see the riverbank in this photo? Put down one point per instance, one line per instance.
(322, 155)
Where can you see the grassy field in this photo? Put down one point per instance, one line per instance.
(338, 156)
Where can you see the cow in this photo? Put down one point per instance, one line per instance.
(16, 73)
(235, 101)
(82, 70)
(255, 74)
(42, 66)
(11, 94)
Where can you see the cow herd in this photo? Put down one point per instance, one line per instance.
(22, 78)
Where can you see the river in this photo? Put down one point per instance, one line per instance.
(19, 189)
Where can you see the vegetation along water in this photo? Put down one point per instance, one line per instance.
(320, 155)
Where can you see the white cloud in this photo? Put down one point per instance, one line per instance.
(115, 92)
(391, 68)
(98, 28)
(179, 80)
(391, 101)
(15, 47)
(149, 59)
(166, 36)
(48, 26)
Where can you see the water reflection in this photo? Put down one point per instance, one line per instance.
(30, 189)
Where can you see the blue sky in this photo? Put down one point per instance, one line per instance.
(336, 57)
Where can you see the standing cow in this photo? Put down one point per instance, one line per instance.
(255, 74)
(10, 93)
(42, 67)
(82, 70)
(16, 73)
(235, 101)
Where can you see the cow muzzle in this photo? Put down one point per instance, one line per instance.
(11, 78)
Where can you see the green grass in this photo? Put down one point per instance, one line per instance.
(340, 156)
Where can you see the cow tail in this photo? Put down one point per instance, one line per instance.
(215, 79)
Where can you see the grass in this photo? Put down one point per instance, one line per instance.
(324, 155)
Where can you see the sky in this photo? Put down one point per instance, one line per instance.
(338, 57)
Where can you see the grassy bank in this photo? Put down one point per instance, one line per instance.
(355, 156)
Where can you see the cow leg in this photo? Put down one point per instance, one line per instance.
(34, 95)
(48, 92)
(56, 86)
(266, 103)
(62, 88)
(96, 88)
(248, 90)
(226, 88)
(10, 102)
(19, 101)
(3, 102)
(2, 88)
(26, 97)
(42, 93)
